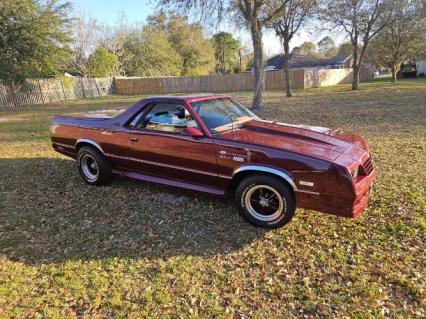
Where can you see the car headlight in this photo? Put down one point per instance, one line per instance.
(355, 172)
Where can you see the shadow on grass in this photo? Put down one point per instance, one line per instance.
(48, 214)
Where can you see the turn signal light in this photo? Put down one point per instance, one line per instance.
(355, 172)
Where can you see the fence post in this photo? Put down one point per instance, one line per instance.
(63, 90)
(97, 86)
(82, 87)
(12, 91)
(41, 91)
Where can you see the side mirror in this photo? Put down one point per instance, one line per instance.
(192, 131)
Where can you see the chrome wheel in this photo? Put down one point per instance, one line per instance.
(89, 167)
(264, 203)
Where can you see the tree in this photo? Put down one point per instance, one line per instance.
(402, 39)
(245, 59)
(149, 53)
(290, 18)
(326, 46)
(187, 39)
(254, 15)
(361, 20)
(168, 45)
(306, 48)
(84, 41)
(113, 38)
(33, 39)
(101, 63)
(345, 49)
(227, 51)
(251, 12)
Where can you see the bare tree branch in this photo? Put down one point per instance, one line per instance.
(360, 20)
(292, 14)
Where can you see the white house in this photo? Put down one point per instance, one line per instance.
(421, 66)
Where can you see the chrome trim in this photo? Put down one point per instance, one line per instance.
(143, 132)
(119, 129)
(306, 183)
(167, 165)
(307, 192)
(91, 142)
(63, 145)
(117, 171)
(116, 156)
(267, 169)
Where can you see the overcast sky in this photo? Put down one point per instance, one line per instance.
(136, 11)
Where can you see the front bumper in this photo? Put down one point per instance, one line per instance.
(335, 205)
(363, 191)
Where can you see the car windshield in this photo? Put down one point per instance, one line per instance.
(222, 115)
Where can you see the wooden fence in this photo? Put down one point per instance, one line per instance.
(40, 91)
(274, 80)
(63, 89)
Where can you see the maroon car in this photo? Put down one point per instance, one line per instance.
(211, 143)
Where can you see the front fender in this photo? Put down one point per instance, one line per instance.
(267, 169)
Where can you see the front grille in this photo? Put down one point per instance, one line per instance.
(368, 166)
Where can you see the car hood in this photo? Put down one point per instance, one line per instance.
(309, 140)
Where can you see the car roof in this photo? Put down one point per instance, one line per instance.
(124, 116)
(187, 98)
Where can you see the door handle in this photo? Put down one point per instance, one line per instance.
(133, 139)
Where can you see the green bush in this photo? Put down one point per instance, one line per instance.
(101, 63)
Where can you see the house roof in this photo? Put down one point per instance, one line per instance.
(303, 61)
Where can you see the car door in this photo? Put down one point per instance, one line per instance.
(159, 147)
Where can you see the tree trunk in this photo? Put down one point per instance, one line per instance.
(393, 70)
(256, 35)
(355, 79)
(286, 65)
(355, 65)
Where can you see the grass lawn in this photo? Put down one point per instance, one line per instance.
(135, 249)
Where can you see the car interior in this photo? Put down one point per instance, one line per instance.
(168, 118)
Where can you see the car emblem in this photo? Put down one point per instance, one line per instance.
(305, 183)
(238, 159)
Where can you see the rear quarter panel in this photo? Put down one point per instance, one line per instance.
(112, 140)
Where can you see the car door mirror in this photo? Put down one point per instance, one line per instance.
(192, 131)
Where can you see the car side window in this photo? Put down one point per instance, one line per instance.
(167, 117)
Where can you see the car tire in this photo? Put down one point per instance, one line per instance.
(265, 201)
(93, 166)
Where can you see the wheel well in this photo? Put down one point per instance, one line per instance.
(88, 144)
(93, 146)
(236, 180)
